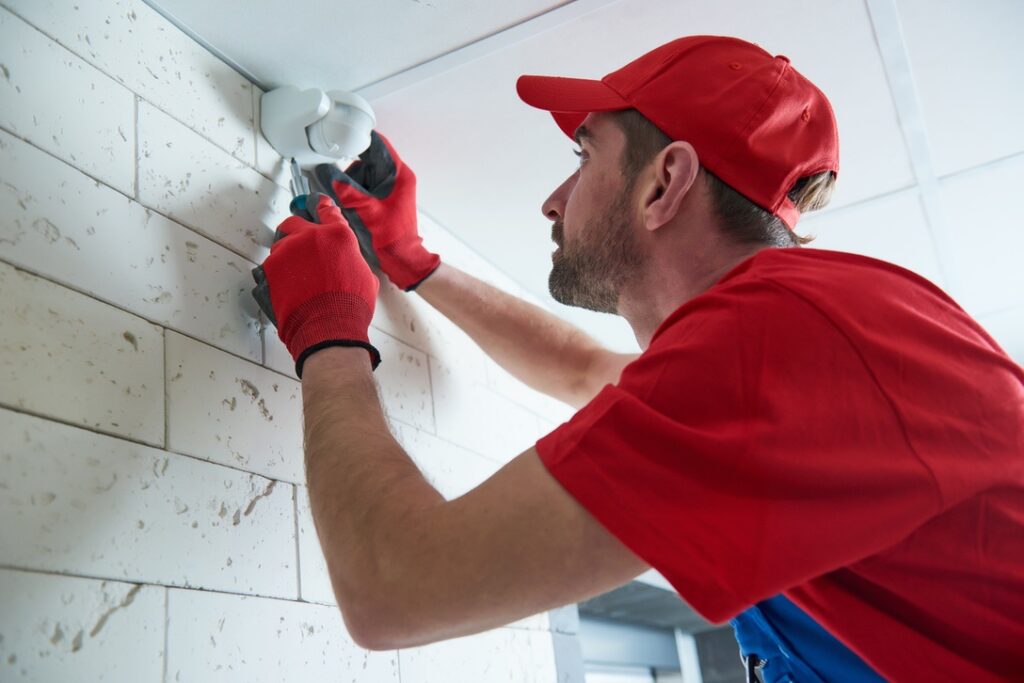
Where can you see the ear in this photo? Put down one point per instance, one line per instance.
(675, 170)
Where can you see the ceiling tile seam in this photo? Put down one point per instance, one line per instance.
(990, 165)
(205, 44)
(810, 219)
(499, 40)
(889, 37)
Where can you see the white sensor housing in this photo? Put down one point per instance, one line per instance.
(314, 126)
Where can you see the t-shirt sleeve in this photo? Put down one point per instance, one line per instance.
(748, 450)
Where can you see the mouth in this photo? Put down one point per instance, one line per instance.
(556, 234)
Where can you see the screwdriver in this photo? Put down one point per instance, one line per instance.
(300, 193)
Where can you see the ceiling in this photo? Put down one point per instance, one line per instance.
(926, 92)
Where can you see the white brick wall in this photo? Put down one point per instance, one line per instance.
(156, 522)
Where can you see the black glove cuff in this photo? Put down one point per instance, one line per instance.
(374, 353)
(417, 284)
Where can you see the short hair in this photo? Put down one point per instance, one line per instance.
(741, 219)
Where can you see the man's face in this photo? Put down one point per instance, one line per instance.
(595, 223)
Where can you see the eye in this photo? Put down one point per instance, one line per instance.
(581, 154)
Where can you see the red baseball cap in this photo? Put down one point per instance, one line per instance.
(755, 122)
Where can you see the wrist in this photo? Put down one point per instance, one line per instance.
(343, 361)
(407, 263)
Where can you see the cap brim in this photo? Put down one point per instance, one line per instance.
(568, 99)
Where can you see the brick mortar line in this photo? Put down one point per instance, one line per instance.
(135, 151)
(137, 442)
(213, 463)
(214, 241)
(217, 348)
(298, 555)
(131, 89)
(145, 206)
(485, 385)
(217, 591)
(121, 308)
(234, 355)
(167, 631)
(167, 586)
(167, 393)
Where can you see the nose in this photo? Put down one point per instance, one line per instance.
(553, 207)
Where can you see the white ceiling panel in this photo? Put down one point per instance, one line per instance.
(893, 229)
(485, 161)
(967, 58)
(983, 208)
(338, 43)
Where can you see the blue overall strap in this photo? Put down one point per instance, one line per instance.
(788, 645)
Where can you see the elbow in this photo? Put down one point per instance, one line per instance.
(372, 615)
(377, 627)
(373, 640)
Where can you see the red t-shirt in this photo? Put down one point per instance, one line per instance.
(830, 427)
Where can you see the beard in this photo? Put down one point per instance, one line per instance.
(591, 272)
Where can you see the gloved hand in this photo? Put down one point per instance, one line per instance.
(377, 194)
(315, 286)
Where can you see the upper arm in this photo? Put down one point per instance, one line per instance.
(516, 545)
(604, 367)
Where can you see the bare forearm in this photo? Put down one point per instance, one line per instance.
(361, 482)
(542, 350)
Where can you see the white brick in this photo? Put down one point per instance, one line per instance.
(403, 377)
(472, 415)
(452, 250)
(403, 380)
(62, 224)
(502, 382)
(58, 102)
(76, 359)
(504, 654)
(225, 637)
(406, 316)
(84, 503)
(139, 48)
(314, 581)
(410, 318)
(449, 468)
(59, 628)
(227, 410)
(275, 353)
(185, 177)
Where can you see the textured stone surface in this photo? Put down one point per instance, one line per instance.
(199, 185)
(72, 358)
(60, 628)
(218, 637)
(76, 113)
(59, 223)
(140, 49)
(231, 411)
(84, 503)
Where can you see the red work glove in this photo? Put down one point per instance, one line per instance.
(377, 194)
(315, 286)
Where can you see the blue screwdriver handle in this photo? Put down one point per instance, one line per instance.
(299, 206)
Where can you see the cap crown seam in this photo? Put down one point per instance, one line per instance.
(757, 112)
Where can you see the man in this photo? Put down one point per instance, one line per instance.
(820, 446)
